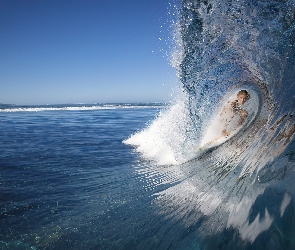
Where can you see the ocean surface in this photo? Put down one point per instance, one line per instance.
(68, 182)
(146, 176)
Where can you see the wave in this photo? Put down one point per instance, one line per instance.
(240, 192)
(79, 107)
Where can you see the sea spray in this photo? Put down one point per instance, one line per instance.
(239, 194)
(164, 141)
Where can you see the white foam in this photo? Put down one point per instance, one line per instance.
(172, 138)
(79, 108)
(162, 140)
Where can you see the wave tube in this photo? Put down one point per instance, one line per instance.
(238, 193)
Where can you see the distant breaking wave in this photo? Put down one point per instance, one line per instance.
(79, 107)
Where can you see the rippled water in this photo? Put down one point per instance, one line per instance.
(238, 194)
(65, 174)
(68, 181)
(117, 178)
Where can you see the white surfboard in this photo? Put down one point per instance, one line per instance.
(213, 136)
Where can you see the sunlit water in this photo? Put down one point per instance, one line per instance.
(67, 180)
(134, 177)
(238, 193)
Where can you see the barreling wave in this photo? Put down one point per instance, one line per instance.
(240, 193)
(241, 44)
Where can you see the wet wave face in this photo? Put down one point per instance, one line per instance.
(239, 191)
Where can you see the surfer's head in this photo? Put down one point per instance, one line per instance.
(243, 96)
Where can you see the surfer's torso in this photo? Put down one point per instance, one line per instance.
(233, 114)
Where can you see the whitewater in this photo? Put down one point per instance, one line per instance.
(238, 194)
(132, 176)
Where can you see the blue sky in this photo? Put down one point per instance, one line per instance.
(87, 51)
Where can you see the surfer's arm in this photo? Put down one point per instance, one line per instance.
(226, 109)
(243, 114)
(229, 110)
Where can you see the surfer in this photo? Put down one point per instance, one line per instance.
(228, 121)
(233, 109)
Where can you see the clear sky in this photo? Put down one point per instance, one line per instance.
(86, 51)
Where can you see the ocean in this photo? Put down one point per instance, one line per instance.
(67, 180)
(206, 171)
